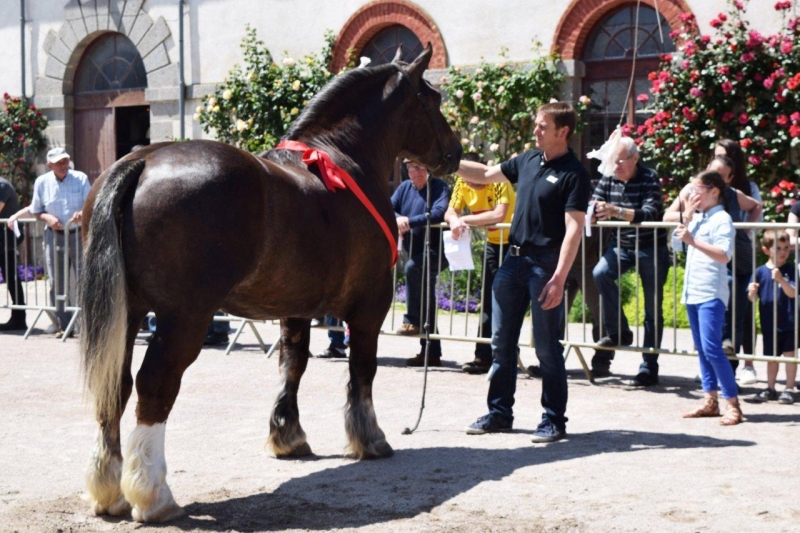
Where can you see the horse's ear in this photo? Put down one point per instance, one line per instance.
(398, 55)
(420, 64)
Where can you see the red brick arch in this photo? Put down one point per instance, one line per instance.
(371, 18)
(582, 15)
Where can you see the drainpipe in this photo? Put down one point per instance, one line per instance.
(22, 42)
(182, 81)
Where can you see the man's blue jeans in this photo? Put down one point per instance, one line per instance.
(518, 283)
(335, 337)
(653, 268)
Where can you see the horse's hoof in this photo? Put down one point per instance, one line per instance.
(120, 507)
(380, 450)
(303, 450)
(163, 513)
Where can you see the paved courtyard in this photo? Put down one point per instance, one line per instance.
(631, 463)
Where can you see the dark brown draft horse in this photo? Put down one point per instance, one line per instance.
(189, 228)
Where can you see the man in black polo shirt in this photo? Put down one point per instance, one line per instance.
(552, 196)
(632, 194)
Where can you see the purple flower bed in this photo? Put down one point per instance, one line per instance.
(460, 303)
(30, 272)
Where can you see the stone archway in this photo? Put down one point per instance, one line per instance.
(85, 21)
(582, 15)
(371, 18)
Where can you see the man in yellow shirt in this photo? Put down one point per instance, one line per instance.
(487, 205)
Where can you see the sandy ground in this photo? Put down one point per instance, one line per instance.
(631, 463)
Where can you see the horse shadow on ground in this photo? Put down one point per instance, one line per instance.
(413, 482)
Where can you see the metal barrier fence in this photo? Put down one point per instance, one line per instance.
(452, 325)
(584, 264)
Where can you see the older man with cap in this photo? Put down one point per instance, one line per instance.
(410, 205)
(58, 198)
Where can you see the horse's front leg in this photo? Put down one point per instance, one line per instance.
(366, 439)
(105, 466)
(176, 344)
(286, 437)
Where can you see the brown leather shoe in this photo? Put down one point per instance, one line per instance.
(709, 407)
(733, 415)
(408, 330)
(419, 361)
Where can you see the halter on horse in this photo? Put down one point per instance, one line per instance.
(188, 228)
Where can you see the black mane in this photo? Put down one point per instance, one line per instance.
(337, 92)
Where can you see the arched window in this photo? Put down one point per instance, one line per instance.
(382, 48)
(608, 55)
(111, 63)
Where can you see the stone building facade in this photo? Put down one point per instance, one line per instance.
(106, 72)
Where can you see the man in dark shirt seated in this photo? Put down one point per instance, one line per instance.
(409, 201)
(632, 194)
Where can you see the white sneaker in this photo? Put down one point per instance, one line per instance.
(52, 328)
(747, 376)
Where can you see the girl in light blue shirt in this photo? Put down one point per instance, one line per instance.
(709, 238)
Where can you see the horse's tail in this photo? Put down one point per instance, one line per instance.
(104, 317)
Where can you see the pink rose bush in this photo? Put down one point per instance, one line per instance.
(735, 83)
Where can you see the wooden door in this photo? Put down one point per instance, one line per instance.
(95, 141)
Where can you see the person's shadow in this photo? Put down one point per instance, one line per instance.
(413, 482)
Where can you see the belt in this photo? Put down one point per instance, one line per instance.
(528, 251)
(62, 232)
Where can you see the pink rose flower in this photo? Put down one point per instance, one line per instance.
(727, 87)
(695, 92)
(743, 118)
(643, 98)
(747, 57)
(768, 83)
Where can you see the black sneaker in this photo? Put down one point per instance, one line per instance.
(601, 372)
(534, 371)
(477, 366)
(547, 432)
(644, 379)
(216, 339)
(766, 395)
(332, 353)
(786, 397)
(609, 341)
(488, 424)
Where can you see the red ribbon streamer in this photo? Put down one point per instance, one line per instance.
(335, 177)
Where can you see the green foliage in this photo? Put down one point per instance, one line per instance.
(21, 140)
(672, 297)
(735, 84)
(492, 108)
(255, 104)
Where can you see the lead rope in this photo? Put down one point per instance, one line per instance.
(426, 269)
(633, 64)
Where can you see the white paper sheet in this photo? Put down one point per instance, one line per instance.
(589, 214)
(17, 233)
(458, 252)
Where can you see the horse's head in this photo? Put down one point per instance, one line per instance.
(429, 138)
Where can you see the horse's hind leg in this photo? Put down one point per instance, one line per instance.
(286, 437)
(175, 346)
(105, 466)
(365, 437)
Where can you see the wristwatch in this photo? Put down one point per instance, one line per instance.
(619, 213)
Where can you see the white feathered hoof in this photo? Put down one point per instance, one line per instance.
(144, 475)
(103, 482)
